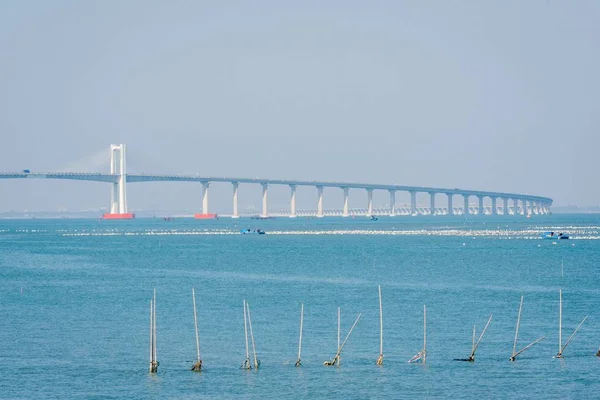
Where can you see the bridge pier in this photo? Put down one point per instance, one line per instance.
(265, 211)
(293, 201)
(480, 210)
(392, 203)
(118, 195)
(345, 213)
(505, 206)
(235, 200)
(466, 204)
(494, 209)
(432, 203)
(413, 203)
(370, 202)
(319, 201)
(205, 197)
(205, 214)
(450, 208)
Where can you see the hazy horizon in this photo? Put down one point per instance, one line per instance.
(477, 95)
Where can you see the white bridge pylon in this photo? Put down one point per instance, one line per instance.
(522, 204)
(118, 195)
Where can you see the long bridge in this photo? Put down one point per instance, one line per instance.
(118, 177)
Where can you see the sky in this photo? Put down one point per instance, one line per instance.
(487, 95)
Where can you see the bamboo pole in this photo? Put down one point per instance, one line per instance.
(151, 334)
(198, 364)
(421, 356)
(246, 364)
(571, 337)
(424, 333)
(473, 342)
(349, 332)
(526, 347)
(256, 362)
(336, 359)
(153, 360)
(338, 337)
(472, 357)
(298, 363)
(560, 326)
(154, 321)
(380, 358)
(512, 357)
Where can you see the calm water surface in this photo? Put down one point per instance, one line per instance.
(74, 306)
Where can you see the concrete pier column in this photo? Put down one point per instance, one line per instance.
(536, 207)
(505, 206)
(235, 200)
(466, 205)
(480, 210)
(265, 210)
(432, 203)
(293, 201)
(494, 209)
(320, 201)
(413, 203)
(515, 206)
(523, 207)
(450, 207)
(370, 202)
(118, 167)
(345, 213)
(205, 197)
(392, 203)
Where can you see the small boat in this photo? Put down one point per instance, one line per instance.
(252, 232)
(554, 235)
(374, 218)
(261, 217)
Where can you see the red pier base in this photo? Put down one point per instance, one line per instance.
(205, 216)
(118, 216)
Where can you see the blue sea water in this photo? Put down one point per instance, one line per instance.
(75, 298)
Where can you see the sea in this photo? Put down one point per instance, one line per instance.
(75, 307)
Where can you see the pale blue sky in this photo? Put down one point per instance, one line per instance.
(491, 95)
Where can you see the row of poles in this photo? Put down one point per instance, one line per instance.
(420, 357)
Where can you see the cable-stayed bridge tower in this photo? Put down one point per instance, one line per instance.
(118, 193)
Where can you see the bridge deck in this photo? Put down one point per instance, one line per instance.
(132, 178)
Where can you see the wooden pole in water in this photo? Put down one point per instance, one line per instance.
(473, 342)
(198, 364)
(298, 363)
(526, 347)
(153, 361)
(348, 335)
(336, 359)
(571, 337)
(338, 337)
(151, 334)
(380, 358)
(472, 358)
(424, 333)
(154, 321)
(256, 362)
(559, 354)
(512, 357)
(246, 364)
